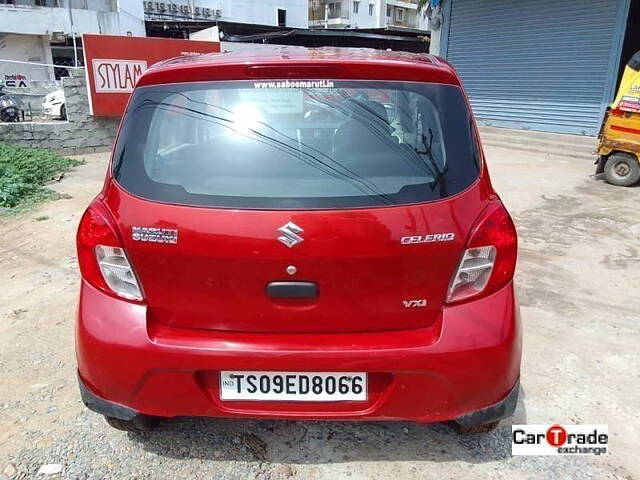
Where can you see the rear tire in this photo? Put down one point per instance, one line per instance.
(622, 169)
(5, 117)
(137, 425)
(484, 428)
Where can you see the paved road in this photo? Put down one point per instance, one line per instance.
(577, 282)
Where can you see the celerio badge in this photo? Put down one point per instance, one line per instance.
(436, 237)
(290, 235)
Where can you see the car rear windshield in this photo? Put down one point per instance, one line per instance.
(296, 144)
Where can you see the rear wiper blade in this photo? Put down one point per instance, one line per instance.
(438, 173)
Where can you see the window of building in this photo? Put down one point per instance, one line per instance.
(62, 54)
(389, 11)
(371, 9)
(334, 9)
(356, 7)
(400, 14)
(282, 17)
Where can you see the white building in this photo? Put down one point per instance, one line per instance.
(42, 31)
(366, 14)
(283, 13)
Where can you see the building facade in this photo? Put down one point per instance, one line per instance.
(43, 32)
(35, 34)
(283, 13)
(366, 14)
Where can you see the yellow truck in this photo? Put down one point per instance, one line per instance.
(619, 138)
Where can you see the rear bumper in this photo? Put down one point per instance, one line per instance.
(502, 409)
(465, 367)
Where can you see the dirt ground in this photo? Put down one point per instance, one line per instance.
(578, 284)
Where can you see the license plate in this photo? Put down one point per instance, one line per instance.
(293, 386)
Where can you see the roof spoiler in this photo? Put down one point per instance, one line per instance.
(266, 36)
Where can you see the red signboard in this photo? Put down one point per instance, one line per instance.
(115, 63)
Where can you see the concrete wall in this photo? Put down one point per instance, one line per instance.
(131, 15)
(25, 48)
(82, 133)
(362, 19)
(435, 26)
(265, 12)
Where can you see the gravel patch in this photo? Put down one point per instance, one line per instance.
(275, 450)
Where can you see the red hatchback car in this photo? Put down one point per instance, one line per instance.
(303, 234)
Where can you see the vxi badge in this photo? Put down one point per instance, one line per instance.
(415, 303)
(436, 237)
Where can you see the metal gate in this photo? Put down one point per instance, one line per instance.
(547, 65)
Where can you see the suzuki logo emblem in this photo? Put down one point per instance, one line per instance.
(290, 235)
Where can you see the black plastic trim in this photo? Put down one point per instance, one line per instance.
(292, 289)
(493, 413)
(105, 407)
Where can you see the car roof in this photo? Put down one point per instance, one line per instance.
(277, 53)
(355, 63)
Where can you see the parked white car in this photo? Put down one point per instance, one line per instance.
(54, 105)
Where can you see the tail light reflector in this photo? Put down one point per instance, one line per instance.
(103, 262)
(489, 260)
(117, 272)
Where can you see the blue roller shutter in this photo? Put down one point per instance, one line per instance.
(542, 65)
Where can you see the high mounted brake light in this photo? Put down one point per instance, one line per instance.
(489, 260)
(294, 71)
(103, 262)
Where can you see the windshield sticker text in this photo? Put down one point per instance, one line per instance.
(295, 84)
(283, 101)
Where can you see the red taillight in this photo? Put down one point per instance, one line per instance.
(489, 260)
(103, 262)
